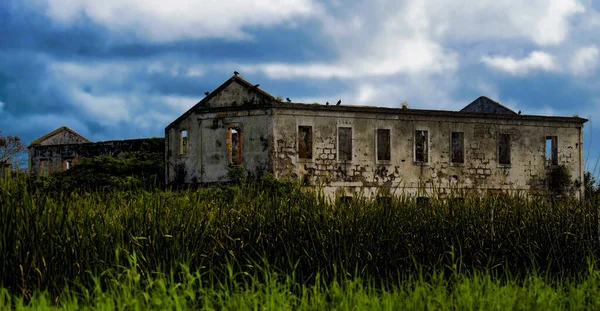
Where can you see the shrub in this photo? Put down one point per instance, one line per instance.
(559, 179)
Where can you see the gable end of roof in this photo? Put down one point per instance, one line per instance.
(486, 105)
(40, 139)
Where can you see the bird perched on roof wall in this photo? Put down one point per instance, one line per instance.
(288, 99)
(327, 104)
(206, 93)
(256, 85)
(236, 73)
(339, 102)
(519, 111)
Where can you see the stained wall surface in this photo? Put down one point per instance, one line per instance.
(199, 144)
(486, 148)
(46, 159)
(61, 138)
(481, 171)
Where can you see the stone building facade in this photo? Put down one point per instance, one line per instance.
(62, 148)
(483, 148)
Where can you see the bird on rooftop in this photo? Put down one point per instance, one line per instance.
(288, 99)
(206, 93)
(339, 102)
(256, 85)
(236, 73)
(519, 112)
(327, 104)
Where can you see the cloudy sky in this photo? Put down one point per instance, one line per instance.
(116, 69)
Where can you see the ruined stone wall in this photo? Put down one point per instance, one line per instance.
(45, 159)
(62, 138)
(481, 171)
(200, 144)
(207, 157)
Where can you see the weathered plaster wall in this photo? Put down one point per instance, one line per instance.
(207, 158)
(235, 95)
(480, 172)
(61, 138)
(55, 156)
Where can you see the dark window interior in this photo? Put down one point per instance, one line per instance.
(345, 143)
(383, 145)
(458, 148)
(421, 146)
(305, 139)
(504, 149)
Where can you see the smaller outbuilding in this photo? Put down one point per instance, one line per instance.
(62, 148)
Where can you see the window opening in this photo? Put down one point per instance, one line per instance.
(551, 150)
(504, 149)
(458, 141)
(421, 146)
(234, 145)
(383, 145)
(44, 168)
(345, 143)
(305, 139)
(68, 164)
(183, 142)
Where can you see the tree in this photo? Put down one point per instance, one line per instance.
(591, 188)
(11, 149)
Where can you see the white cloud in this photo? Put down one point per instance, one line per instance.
(545, 22)
(105, 109)
(159, 20)
(585, 60)
(371, 45)
(535, 61)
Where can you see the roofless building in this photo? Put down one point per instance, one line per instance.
(483, 148)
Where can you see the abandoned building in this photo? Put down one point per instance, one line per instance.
(62, 148)
(482, 148)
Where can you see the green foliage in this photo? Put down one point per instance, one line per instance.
(559, 179)
(125, 289)
(108, 173)
(226, 235)
(12, 150)
(591, 188)
(237, 174)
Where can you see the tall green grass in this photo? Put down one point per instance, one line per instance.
(126, 289)
(51, 240)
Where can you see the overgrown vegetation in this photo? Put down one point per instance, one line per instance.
(128, 170)
(81, 239)
(269, 290)
(559, 180)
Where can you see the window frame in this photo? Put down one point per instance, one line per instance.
(68, 164)
(509, 148)
(312, 143)
(377, 160)
(451, 151)
(44, 167)
(427, 144)
(239, 145)
(553, 160)
(184, 142)
(338, 158)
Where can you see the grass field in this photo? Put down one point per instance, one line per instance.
(275, 246)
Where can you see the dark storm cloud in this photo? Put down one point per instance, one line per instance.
(39, 88)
